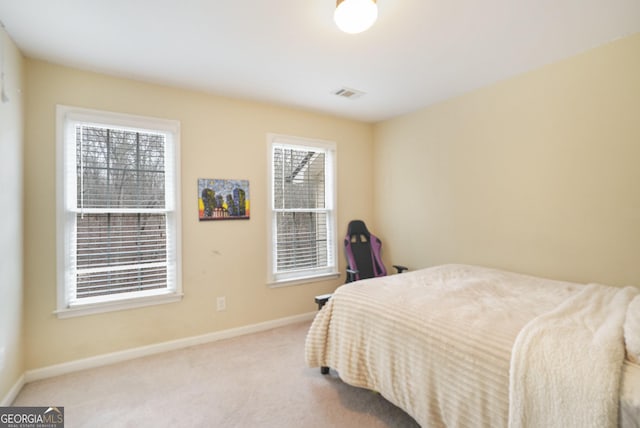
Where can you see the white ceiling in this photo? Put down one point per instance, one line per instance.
(289, 52)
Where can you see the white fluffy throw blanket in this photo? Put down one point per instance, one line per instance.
(566, 364)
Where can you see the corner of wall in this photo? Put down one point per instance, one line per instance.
(11, 226)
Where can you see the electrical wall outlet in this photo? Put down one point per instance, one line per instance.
(221, 303)
(3, 355)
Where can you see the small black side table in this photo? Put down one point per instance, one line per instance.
(322, 299)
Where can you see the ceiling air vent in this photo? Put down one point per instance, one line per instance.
(349, 93)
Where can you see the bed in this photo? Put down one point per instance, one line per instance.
(465, 346)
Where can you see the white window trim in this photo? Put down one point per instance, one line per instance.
(65, 308)
(306, 275)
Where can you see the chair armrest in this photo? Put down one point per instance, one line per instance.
(351, 275)
(400, 268)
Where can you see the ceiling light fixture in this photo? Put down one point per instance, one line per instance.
(355, 16)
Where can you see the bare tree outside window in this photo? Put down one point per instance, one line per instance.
(121, 243)
(117, 211)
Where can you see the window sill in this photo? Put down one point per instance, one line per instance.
(303, 280)
(117, 305)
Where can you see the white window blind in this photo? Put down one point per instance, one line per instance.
(119, 209)
(303, 199)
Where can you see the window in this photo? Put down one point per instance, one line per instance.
(302, 220)
(118, 211)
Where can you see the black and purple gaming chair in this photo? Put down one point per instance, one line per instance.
(362, 249)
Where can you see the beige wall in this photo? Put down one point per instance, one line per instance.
(11, 144)
(538, 174)
(221, 138)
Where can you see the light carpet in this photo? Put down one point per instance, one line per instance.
(257, 380)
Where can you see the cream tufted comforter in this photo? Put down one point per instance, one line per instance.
(439, 343)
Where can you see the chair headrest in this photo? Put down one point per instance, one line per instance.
(357, 227)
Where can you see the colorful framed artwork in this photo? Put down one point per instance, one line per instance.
(221, 199)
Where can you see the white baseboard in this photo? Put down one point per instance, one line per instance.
(129, 354)
(7, 400)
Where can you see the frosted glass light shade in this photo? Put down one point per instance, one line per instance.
(355, 16)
